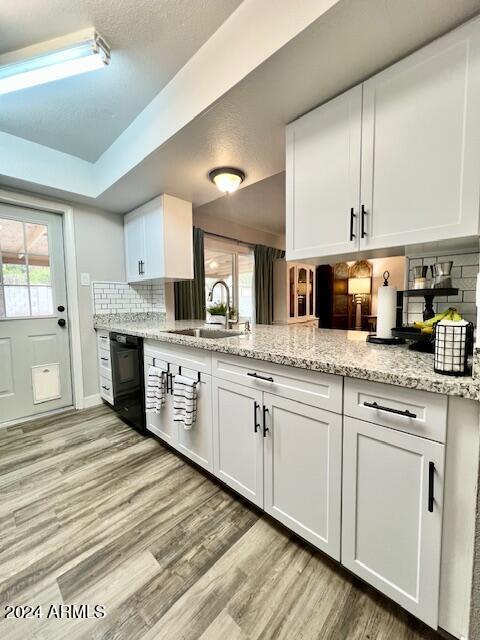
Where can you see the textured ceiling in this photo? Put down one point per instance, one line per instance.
(246, 128)
(150, 40)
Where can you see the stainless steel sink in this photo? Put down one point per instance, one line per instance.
(212, 334)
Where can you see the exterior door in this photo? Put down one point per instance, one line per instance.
(35, 374)
(238, 438)
(303, 471)
(392, 514)
(323, 179)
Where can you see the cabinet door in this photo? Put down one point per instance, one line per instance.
(161, 424)
(391, 526)
(303, 471)
(421, 145)
(323, 179)
(134, 233)
(197, 443)
(238, 438)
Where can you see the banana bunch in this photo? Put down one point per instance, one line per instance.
(450, 314)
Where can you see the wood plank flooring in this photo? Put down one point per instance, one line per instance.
(93, 513)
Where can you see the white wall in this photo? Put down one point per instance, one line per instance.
(235, 231)
(100, 252)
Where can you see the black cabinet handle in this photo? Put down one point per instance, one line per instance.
(398, 412)
(106, 388)
(352, 216)
(102, 358)
(256, 426)
(265, 428)
(364, 213)
(431, 478)
(140, 266)
(169, 383)
(256, 375)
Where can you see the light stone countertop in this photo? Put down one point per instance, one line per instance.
(345, 353)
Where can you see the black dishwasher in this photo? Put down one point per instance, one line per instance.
(126, 354)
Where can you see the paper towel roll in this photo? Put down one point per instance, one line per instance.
(386, 311)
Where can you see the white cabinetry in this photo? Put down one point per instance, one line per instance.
(104, 366)
(420, 157)
(323, 179)
(392, 513)
(421, 145)
(238, 438)
(283, 455)
(159, 240)
(195, 443)
(303, 454)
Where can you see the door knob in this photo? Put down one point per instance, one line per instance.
(61, 308)
(61, 322)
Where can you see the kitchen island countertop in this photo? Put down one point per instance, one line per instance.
(344, 353)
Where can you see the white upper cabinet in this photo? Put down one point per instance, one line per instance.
(419, 179)
(323, 179)
(421, 145)
(159, 240)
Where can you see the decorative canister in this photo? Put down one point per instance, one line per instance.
(452, 341)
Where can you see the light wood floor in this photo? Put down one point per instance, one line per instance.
(93, 513)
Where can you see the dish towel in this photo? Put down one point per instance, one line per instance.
(155, 394)
(185, 401)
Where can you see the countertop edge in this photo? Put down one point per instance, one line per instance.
(451, 386)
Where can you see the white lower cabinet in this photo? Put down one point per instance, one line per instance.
(303, 470)
(195, 443)
(392, 513)
(161, 424)
(238, 438)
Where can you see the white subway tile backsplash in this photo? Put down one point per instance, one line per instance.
(121, 297)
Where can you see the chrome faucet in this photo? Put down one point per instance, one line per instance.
(210, 298)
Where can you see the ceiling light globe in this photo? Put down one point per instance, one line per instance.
(227, 179)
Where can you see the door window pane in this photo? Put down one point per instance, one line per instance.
(41, 301)
(38, 275)
(36, 238)
(11, 236)
(14, 268)
(16, 301)
(24, 270)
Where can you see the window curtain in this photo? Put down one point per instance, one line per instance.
(264, 257)
(190, 294)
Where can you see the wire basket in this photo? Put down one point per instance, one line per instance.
(453, 345)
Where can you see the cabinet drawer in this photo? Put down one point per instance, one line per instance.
(104, 363)
(420, 413)
(323, 390)
(106, 389)
(181, 355)
(103, 340)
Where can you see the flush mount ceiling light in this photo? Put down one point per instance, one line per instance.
(227, 179)
(52, 60)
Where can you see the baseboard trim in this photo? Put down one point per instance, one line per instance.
(92, 401)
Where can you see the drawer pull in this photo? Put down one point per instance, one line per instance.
(102, 358)
(431, 478)
(256, 375)
(398, 412)
(106, 388)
